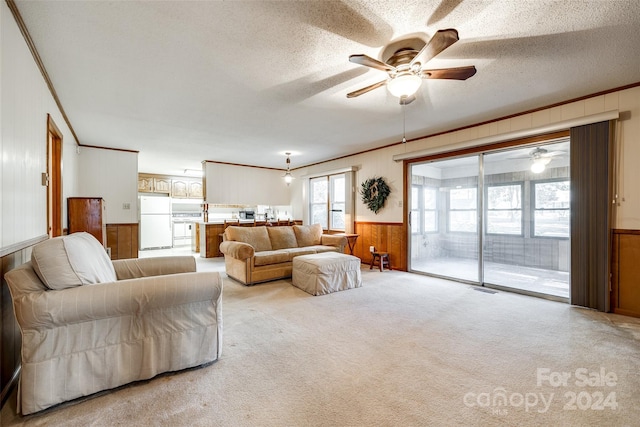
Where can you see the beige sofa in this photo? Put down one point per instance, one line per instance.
(89, 324)
(259, 254)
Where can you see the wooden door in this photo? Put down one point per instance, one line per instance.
(53, 179)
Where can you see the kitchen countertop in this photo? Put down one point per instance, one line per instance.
(221, 221)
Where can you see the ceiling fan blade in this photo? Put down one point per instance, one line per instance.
(406, 100)
(368, 61)
(366, 89)
(459, 73)
(439, 42)
(553, 153)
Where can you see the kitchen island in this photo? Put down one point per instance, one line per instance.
(208, 236)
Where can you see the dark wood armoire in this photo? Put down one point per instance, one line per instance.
(86, 214)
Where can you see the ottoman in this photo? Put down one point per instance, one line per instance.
(326, 272)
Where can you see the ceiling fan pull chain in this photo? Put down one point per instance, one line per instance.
(404, 123)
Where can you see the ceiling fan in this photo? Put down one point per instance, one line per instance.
(541, 157)
(405, 67)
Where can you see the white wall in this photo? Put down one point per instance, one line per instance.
(243, 185)
(24, 105)
(374, 163)
(380, 163)
(112, 175)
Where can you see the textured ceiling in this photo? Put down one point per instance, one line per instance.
(246, 81)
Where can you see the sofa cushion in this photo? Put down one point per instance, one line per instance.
(322, 248)
(73, 260)
(282, 237)
(294, 252)
(308, 235)
(254, 236)
(270, 257)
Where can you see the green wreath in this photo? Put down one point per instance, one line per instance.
(374, 192)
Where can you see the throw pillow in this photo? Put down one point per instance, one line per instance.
(73, 260)
(254, 236)
(308, 235)
(282, 237)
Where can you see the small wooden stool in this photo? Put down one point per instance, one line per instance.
(383, 260)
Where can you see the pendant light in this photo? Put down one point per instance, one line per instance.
(287, 176)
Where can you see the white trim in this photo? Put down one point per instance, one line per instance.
(553, 127)
(331, 172)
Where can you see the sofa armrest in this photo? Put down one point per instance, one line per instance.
(237, 250)
(157, 266)
(49, 309)
(332, 240)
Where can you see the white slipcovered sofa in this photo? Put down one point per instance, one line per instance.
(89, 324)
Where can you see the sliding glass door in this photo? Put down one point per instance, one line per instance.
(444, 218)
(499, 219)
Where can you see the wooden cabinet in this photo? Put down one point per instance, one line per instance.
(86, 214)
(162, 185)
(145, 184)
(122, 240)
(186, 188)
(154, 184)
(210, 239)
(195, 189)
(178, 187)
(625, 273)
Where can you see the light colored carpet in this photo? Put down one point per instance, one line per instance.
(402, 350)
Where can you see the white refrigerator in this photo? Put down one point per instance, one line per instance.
(155, 222)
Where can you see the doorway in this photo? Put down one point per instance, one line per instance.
(53, 179)
(497, 219)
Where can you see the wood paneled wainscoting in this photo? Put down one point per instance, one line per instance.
(10, 338)
(122, 240)
(625, 272)
(388, 237)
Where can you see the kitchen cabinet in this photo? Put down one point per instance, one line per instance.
(162, 185)
(86, 214)
(186, 188)
(210, 239)
(179, 189)
(154, 184)
(145, 184)
(195, 189)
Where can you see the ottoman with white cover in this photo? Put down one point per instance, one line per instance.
(326, 272)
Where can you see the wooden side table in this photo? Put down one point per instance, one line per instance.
(382, 258)
(351, 240)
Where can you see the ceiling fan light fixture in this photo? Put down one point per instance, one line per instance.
(539, 164)
(404, 85)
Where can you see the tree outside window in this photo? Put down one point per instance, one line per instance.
(504, 209)
(551, 208)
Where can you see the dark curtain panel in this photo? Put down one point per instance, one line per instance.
(590, 214)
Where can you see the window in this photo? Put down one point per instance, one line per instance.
(430, 203)
(463, 215)
(551, 208)
(319, 193)
(424, 215)
(504, 209)
(327, 201)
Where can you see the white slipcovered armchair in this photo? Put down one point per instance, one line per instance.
(89, 324)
